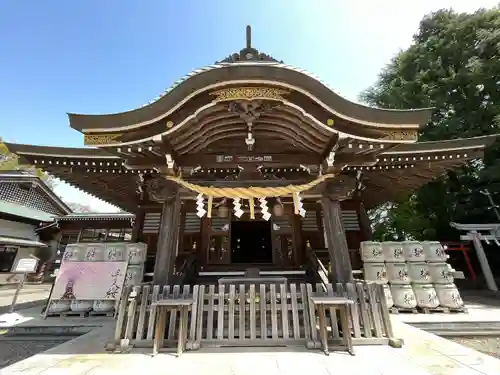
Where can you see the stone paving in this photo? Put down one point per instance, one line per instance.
(422, 354)
(29, 295)
(32, 317)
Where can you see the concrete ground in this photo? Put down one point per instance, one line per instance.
(30, 295)
(32, 318)
(422, 354)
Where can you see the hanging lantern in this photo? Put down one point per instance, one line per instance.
(278, 210)
(223, 211)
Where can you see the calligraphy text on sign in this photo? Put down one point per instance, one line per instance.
(243, 159)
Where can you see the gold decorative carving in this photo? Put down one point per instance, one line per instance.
(99, 139)
(170, 124)
(249, 93)
(402, 135)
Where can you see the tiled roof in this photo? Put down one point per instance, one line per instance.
(25, 212)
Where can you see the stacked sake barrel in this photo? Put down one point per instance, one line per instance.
(73, 253)
(135, 255)
(374, 267)
(397, 275)
(416, 272)
(411, 286)
(441, 275)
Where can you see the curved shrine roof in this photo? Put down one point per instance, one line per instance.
(249, 68)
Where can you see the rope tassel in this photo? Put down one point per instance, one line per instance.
(264, 209)
(237, 207)
(200, 210)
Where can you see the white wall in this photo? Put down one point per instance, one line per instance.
(15, 229)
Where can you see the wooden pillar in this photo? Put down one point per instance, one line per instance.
(299, 247)
(167, 239)
(336, 241)
(138, 222)
(364, 221)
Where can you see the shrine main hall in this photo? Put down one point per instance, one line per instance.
(251, 163)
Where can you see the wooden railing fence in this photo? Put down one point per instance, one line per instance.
(253, 315)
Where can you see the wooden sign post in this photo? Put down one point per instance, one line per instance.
(24, 266)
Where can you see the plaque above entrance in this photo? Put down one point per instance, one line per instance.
(226, 160)
(243, 158)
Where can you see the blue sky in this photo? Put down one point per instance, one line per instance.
(107, 56)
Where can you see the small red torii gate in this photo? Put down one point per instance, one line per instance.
(464, 248)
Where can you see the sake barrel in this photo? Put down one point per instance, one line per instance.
(371, 251)
(419, 272)
(441, 273)
(433, 251)
(397, 273)
(103, 305)
(413, 251)
(393, 251)
(426, 295)
(74, 252)
(58, 306)
(449, 296)
(375, 272)
(95, 252)
(136, 253)
(115, 252)
(81, 305)
(403, 296)
(133, 276)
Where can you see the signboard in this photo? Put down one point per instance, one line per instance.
(26, 265)
(243, 158)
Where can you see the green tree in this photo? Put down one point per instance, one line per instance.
(453, 65)
(10, 162)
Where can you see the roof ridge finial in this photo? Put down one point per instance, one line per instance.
(249, 36)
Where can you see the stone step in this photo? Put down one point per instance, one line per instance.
(459, 328)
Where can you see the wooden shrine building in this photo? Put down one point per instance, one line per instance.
(251, 163)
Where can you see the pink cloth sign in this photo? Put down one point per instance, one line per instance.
(90, 280)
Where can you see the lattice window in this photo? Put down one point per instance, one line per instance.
(152, 222)
(192, 223)
(349, 219)
(28, 195)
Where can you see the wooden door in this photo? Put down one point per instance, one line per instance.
(282, 238)
(219, 240)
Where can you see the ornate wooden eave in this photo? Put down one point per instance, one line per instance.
(405, 168)
(394, 171)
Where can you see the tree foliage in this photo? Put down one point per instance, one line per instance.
(453, 65)
(10, 162)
